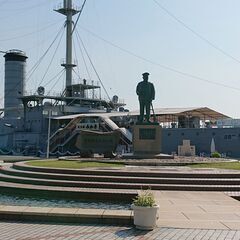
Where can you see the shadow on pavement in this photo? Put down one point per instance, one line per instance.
(130, 232)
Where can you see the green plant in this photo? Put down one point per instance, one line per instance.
(215, 155)
(144, 199)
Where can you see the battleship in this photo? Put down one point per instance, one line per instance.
(28, 123)
(44, 124)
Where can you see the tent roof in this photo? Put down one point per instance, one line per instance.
(204, 113)
(164, 114)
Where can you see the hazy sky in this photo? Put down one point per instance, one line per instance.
(190, 47)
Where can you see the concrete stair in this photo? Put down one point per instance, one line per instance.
(113, 181)
(129, 181)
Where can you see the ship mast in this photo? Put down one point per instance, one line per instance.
(69, 11)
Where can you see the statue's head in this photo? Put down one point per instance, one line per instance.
(145, 76)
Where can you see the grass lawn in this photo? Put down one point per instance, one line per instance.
(71, 164)
(222, 165)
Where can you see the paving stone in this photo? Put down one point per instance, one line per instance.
(36, 210)
(98, 213)
(63, 211)
(192, 224)
(12, 209)
(221, 208)
(117, 213)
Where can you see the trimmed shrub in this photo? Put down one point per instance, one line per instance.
(215, 155)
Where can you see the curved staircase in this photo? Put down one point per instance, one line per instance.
(113, 184)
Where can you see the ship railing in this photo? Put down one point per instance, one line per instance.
(120, 100)
(126, 134)
(65, 140)
(123, 138)
(62, 132)
(49, 93)
(60, 136)
(64, 62)
(85, 81)
(61, 6)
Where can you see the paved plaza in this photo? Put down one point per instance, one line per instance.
(38, 231)
(202, 210)
(183, 215)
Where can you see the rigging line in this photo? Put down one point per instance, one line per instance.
(84, 61)
(77, 73)
(39, 44)
(196, 33)
(49, 65)
(55, 83)
(75, 53)
(40, 59)
(30, 26)
(93, 67)
(80, 12)
(28, 34)
(44, 2)
(17, 12)
(54, 77)
(32, 70)
(161, 65)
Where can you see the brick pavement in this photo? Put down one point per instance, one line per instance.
(43, 231)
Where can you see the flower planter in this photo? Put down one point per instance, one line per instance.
(145, 217)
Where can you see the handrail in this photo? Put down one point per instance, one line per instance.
(62, 136)
(59, 135)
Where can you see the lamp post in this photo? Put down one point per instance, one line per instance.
(49, 131)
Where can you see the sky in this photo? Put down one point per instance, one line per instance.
(190, 48)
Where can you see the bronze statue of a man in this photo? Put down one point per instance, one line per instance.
(146, 93)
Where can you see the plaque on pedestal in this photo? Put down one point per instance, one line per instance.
(147, 139)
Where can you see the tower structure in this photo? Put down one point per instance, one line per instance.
(15, 81)
(69, 11)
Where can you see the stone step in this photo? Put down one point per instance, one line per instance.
(67, 192)
(121, 179)
(66, 215)
(124, 172)
(108, 185)
(118, 179)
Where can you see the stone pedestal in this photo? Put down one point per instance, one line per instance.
(186, 149)
(147, 139)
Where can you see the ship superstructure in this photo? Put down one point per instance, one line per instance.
(25, 124)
